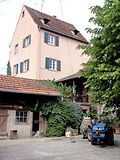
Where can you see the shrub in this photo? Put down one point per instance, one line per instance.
(60, 115)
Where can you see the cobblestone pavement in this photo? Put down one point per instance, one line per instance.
(57, 149)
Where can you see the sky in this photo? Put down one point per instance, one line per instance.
(76, 12)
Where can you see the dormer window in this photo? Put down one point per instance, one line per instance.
(45, 21)
(76, 31)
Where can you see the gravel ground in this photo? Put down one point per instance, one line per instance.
(57, 149)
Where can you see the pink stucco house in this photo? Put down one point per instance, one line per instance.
(44, 47)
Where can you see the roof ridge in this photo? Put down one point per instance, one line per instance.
(48, 15)
(55, 25)
(16, 77)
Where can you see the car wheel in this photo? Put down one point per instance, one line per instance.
(110, 137)
(92, 142)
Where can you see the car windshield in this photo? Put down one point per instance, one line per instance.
(99, 126)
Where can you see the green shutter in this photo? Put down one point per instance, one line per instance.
(46, 37)
(47, 63)
(21, 67)
(29, 38)
(58, 65)
(16, 68)
(28, 65)
(23, 43)
(57, 41)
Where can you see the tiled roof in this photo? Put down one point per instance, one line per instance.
(55, 25)
(24, 85)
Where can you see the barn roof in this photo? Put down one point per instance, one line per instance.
(24, 85)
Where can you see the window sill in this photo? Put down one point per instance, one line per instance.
(52, 70)
(21, 123)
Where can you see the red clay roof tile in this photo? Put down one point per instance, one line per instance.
(24, 85)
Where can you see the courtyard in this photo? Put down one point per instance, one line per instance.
(60, 148)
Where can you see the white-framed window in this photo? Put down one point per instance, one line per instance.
(52, 64)
(26, 41)
(51, 39)
(16, 49)
(21, 117)
(24, 66)
(15, 69)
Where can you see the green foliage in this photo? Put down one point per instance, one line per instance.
(63, 89)
(60, 115)
(103, 69)
(8, 68)
(109, 117)
(92, 114)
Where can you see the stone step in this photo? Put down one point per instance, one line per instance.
(3, 137)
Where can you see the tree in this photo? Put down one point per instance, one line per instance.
(8, 68)
(103, 69)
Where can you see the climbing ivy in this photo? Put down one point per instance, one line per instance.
(61, 113)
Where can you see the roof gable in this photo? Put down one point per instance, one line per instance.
(24, 85)
(55, 25)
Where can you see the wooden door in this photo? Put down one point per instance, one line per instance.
(3, 120)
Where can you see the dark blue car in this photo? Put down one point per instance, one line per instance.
(100, 133)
